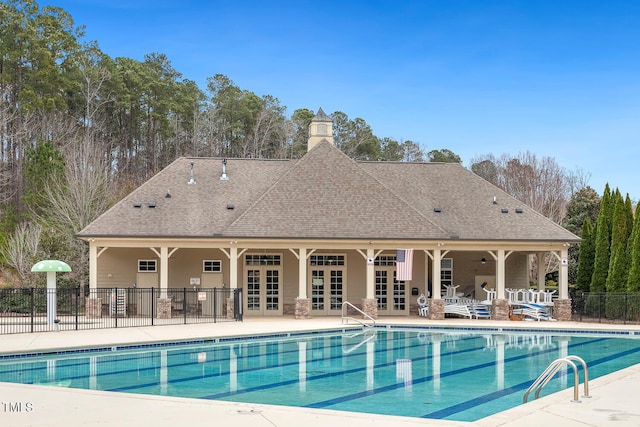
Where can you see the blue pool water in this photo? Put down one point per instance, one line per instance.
(460, 375)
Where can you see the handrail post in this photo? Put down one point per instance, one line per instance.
(585, 369)
(551, 370)
(348, 304)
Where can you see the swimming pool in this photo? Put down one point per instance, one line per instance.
(431, 373)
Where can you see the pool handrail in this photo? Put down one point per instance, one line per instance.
(348, 304)
(552, 369)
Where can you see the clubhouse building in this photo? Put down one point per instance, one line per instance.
(302, 237)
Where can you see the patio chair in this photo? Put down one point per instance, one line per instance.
(423, 306)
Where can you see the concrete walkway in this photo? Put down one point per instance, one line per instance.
(614, 400)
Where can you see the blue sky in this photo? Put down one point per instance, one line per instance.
(556, 78)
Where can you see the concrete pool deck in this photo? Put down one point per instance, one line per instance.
(614, 400)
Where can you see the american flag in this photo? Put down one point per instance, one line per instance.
(404, 264)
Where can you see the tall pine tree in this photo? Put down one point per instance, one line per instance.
(586, 256)
(603, 242)
(595, 303)
(633, 280)
(618, 264)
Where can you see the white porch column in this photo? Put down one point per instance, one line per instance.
(233, 267)
(500, 275)
(427, 257)
(436, 285)
(302, 273)
(541, 270)
(164, 271)
(93, 265)
(563, 274)
(370, 280)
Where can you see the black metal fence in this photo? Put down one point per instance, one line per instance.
(33, 310)
(606, 307)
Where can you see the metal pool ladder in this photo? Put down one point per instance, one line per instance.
(552, 369)
(344, 317)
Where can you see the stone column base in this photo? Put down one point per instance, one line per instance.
(500, 309)
(93, 307)
(303, 308)
(163, 309)
(436, 309)
(370, 306)
(562, 310)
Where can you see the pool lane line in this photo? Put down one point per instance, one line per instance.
(365, 393)
(282, 365)
(209, 347)
(353, 396)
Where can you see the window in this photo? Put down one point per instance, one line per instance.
(262, 260)
(211, 266)
(326, 260)
(147, 266)
(322, 129)
(385, 260)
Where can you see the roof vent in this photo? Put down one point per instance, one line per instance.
(504, 210)
(230, 206)
(519, 210)
(192, 180)
(224, 176)
(168, 195)
(495, 201)
(137, 205)
(437, 210)
(151, 204)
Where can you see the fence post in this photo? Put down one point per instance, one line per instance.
(153, 305)
(114, 304)
(33, 308)
(237, 304)
(77, 304)
(184, 304)
(215, 305)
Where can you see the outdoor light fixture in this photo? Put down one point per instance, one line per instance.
(483, 260)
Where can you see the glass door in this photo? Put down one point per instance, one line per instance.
(327, 284)
(263, 282)
(390, 293)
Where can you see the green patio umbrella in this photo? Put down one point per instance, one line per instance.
(51, 266)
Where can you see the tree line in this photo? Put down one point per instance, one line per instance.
(79, 130)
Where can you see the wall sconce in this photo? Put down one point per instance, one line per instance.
(483, 260)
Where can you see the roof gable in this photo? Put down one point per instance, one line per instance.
(328, 195)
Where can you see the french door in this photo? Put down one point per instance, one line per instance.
(263, 278)
(390, 293)
(328, 274)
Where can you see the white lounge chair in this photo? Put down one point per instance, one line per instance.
(458, 308)
(480, 310)
(536, 311)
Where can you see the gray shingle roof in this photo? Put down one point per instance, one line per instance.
(323, 195)
(321, 116)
